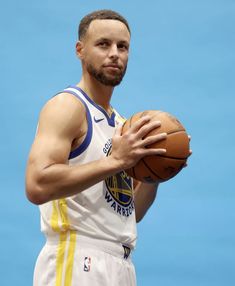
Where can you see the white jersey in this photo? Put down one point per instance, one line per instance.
(104, 211)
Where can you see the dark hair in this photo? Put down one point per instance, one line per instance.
(99, 15)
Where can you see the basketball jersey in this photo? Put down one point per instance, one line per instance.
(105, 210)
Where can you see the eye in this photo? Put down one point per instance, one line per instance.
(103, 44)
(123, 47)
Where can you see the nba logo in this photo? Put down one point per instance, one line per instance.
(87, 264)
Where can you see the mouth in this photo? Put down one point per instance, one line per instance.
(112, 66)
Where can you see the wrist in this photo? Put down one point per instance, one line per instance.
(114, 164)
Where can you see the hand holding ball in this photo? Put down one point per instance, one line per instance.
(161, 167)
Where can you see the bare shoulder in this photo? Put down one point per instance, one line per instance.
(62, 121)
(63, 113)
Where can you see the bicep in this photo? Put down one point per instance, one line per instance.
(49, 149)
(58, 126)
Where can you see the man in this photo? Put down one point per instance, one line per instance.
(89, 207)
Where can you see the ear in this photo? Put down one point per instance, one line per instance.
(79, 49)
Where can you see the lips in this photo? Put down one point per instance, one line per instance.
(114, 66)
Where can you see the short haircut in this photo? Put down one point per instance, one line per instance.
(99, 15)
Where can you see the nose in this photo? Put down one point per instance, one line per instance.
(113, 52)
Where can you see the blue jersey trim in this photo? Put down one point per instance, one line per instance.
(110, 119)
(88, 137)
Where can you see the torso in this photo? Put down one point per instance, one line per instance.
(105, 210)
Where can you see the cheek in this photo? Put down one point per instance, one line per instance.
(124, 59)
(94, 57)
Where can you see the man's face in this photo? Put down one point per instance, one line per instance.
(105, 51)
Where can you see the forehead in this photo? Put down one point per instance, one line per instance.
(110, 29)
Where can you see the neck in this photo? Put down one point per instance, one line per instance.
(98, 92)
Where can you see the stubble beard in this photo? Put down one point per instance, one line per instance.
(100, 76)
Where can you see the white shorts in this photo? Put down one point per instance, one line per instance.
(72, 260)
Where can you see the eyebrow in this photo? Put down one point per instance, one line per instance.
(109, 40)
(102, 39)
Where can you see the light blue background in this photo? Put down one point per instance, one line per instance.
(182, 61)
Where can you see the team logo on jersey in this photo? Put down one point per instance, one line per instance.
(120, 188)
(119, 193)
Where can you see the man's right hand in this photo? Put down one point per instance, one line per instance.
(130, 147)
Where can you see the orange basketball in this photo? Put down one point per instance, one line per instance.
(161, 168)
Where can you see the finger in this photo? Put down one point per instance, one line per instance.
(185, 165)
(153, 139)
(148, 127)
(190, 152)
(140, 122)
(154, 151)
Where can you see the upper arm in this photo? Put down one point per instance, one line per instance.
(61, 120)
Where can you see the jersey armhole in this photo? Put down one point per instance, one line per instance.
(87, 140)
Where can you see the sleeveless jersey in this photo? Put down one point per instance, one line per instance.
(105, 210)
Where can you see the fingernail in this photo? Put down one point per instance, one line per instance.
(157, 122)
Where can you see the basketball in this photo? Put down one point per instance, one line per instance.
(160, 168)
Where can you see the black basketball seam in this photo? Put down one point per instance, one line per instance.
(123, 126)
(175, 131)
(175, 158)
(146, 165)
(143, 113)
(130, 121)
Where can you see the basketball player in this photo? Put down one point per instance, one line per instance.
(89, 206)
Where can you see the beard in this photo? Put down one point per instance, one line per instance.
(107, 80)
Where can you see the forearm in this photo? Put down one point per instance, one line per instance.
(144, 195)
(61, 180)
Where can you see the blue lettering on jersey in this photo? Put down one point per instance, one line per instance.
(107, 146)
(119, 194)
(124, 211)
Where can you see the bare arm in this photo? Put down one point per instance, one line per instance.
(63, 119)
(144, 195)
(48, 174)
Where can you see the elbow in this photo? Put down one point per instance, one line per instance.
(36, 187)
(35, 199)
(35, 194)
